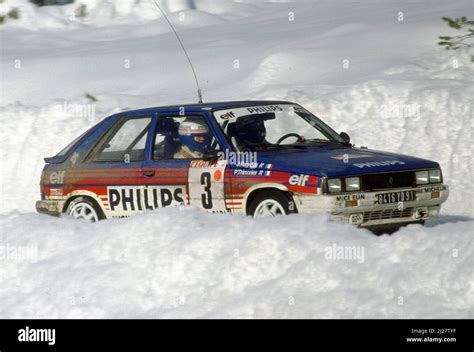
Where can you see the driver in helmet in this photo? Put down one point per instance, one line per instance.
(195, 139)
(249, 134)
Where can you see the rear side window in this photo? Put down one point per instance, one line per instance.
(72, 144)
(127, 143)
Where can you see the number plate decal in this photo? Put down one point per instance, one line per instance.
(206, 185)
(395, 197)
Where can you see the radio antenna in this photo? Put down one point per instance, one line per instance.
(184, 50)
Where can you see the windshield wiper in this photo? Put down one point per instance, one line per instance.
(326, 141)
(316, 140)
(267, 146)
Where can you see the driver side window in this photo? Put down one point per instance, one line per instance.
(183, 137)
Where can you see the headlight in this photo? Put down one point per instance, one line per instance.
(352, 184)
(421, 177)
(334, 185)
(435, 176)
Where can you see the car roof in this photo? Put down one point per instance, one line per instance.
(205, 106)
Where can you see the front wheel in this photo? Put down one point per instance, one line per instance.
(270, 204)
(83, 209)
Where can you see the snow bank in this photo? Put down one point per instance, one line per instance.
(152, 266)
(23, 135)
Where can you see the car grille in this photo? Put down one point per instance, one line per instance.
(387, 214)
(389, 180)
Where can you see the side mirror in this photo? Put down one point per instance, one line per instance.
(211, 155)
(345, 137)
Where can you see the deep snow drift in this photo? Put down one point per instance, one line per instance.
(354, 64)
(152, 266)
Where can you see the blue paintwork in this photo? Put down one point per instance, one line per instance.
(83, 146)
(321, 160)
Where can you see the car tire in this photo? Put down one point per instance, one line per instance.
(84, 209)
(271, 204)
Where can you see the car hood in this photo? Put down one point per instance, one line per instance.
(340, 161)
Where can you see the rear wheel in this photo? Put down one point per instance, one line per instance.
(270, 204)
(83, 209)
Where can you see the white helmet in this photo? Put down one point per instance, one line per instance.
(189, 131)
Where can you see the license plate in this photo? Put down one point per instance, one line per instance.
(395, 197)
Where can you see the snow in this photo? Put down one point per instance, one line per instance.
(152, 266)
(398, 91)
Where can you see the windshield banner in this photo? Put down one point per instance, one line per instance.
(232, 114)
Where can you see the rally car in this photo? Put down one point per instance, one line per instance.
(259, 158)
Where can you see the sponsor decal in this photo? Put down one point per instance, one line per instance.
(264, 109)
(298, 180)
(57, 177)
(350, 197)
(227, 116)
(56, 192)
(217, 175)
(232, 114)
(143, 198)
(435, 189)
(379, 163)
(202, 163)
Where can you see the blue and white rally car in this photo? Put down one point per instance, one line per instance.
(260, 158)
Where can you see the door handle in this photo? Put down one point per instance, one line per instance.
(149, 173)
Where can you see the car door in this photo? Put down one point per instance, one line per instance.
(183, 180)
(114, 169)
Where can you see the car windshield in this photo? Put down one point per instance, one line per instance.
(281, 126)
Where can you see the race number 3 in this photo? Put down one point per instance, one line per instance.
(206, 197)
(206, 185)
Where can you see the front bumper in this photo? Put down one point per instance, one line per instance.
(50, 207)
(362, 208)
